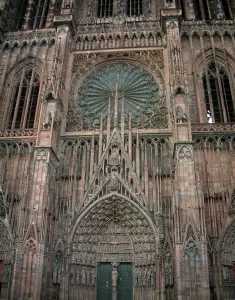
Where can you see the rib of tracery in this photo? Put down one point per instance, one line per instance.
(139, 89)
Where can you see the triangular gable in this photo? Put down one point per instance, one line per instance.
(112, 157)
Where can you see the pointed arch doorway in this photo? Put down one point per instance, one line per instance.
(113, 252)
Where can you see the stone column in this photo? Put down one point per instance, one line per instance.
(188, 207)
(114, 280)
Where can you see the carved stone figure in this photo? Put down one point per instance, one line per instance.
(83, 276)
(6, 275)
(114, 276)
(181, 116)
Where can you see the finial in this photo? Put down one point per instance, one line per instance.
(116, 104)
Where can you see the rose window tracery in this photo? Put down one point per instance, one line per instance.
(135, 85)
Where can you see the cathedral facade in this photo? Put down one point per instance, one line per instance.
(117, 149)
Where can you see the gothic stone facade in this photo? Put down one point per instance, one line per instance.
(117, 149)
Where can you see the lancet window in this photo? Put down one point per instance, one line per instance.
(192, 265)
(227, 9)
(33, 14)
(201, 9)
(105, 8)
(24, 102)
(218, 95)
(134, 8)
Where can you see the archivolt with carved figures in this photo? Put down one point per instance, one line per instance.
(113, 229)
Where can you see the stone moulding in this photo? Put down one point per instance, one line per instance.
(123, 35)
(220, 127)
(209, 27)
(18, 133)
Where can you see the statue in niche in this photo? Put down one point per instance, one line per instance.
(93, 278)
(78, 276)
(110, 42)
(58, 267)
(83, 276)
(93, 44)
(151, 41)
(134, 41)
(142, 41)
(6, 274)
(145, 278)
(118, 42)
(152, 279)
(85, 44)
(159, 41)
(48, 121)
(88, 277)
(136, 278)
(102, 44)
(114, 185)
(114, 275)
(126, 41)
(114, 157)
(72, 276)
(181, 116)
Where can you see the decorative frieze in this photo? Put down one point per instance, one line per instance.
(220, 27)
(18, 133)
(211, 128)
(29, 36)
(122, 35)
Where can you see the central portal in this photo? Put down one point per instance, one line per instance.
(115, 281)
(113, 253)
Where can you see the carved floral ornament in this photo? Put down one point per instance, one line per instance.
(185, 152)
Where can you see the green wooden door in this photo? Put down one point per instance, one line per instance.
(125, 282)
(104, 283)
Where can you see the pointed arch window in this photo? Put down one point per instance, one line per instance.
(201, 9)
(134, 8)
(218, 95)
(33, 14)
(226, 8)
(25, 101)
(105, 8)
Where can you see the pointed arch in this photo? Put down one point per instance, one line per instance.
(29, 263)
(23, 86)
(191, 267)
(58, 268)
(33, 14)
(227, 255)
(112, 229)
(25, 101)
(219, 100)
(168, 263)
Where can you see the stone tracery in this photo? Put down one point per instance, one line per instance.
(139, 89)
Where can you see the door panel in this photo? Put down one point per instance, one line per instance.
(104, 283)
(125, 282)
